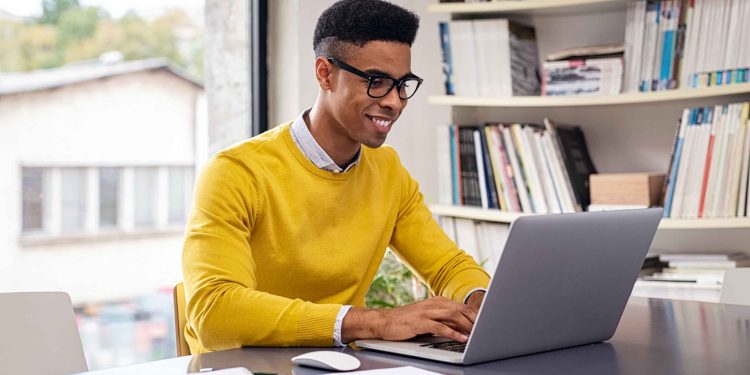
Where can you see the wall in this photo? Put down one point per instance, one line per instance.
(227, 68)
(144, 118)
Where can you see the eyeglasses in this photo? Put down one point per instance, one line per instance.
(379, 86)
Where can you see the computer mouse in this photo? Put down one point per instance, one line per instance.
(327, 360)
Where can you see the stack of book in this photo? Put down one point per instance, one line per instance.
(686, 43)
(595, 70)
(708, 174)
(705, 269)
(489, 57)
(515, 168)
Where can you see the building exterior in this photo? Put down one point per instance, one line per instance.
(97, 162)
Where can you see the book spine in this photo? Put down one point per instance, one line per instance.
(707, 165)
(481, 170)
(498, 174)
(509, 173)
(455, 166)
(676, 154)
(445, 46)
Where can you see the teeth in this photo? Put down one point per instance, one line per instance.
(383, 123)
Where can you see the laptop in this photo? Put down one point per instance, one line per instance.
(562, 280)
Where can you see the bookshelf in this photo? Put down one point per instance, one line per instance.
(498, 216)
(528, 6)
(587, 101)
(630, 132)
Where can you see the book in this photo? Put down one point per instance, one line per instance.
(577, 53)
(709, 264)
(470, 190)
(445, 47)
(576, 159)
(595, 76)
(703, 257)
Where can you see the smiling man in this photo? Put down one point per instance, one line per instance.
(289, 227)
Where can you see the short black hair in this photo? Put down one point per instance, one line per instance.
(356, 22)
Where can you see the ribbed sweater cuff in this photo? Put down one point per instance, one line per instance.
(316, 324)
(469, 284)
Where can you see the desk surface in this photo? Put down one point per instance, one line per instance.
(655, 336)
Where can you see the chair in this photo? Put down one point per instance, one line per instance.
(735, 288)
(178, 293)
(39, 334)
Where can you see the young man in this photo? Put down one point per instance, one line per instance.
(289, 227)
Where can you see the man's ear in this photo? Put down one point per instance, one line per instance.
(323, 73)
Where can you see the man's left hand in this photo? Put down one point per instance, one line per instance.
(475, 300)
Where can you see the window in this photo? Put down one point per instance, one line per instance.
(80, 200)
(144, 198)
(73, 199)
(180, 193)
(32, 191)
(109, 197)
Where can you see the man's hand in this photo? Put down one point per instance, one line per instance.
(475, 300)
(437, 315)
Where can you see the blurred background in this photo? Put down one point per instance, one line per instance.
(102, 125)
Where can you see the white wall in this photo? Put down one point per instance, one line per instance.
(146, 118)
(293, 87)
(227, 62)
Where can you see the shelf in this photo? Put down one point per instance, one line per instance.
(475, 213)
(582, 101)
(508, 217)
(529, 7)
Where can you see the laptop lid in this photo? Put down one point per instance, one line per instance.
(562, 280)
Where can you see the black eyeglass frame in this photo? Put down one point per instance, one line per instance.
(371, 77)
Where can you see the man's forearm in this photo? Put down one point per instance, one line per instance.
(360, 323)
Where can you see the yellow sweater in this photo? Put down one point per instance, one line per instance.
(274, 246)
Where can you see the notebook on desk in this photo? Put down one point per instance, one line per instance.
(563, 280)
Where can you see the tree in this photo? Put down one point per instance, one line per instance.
(53, 9)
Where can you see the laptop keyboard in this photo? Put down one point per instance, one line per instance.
(452, 346)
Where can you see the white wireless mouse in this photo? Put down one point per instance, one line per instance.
(327, 360)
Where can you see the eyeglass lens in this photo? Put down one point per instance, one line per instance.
(380, 86)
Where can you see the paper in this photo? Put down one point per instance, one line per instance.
(226, 371)
(406, 370)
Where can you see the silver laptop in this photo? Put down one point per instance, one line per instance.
(562, 280)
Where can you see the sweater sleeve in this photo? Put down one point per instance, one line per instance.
(421, 243)
(224, 308)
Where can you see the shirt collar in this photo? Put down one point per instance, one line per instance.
(312, 150)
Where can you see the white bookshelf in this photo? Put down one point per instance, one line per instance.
(625, 133)
(528, 7)
(584, 101)
(498, 216)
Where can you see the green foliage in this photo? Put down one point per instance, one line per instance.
(68, 33)
(75, 25)
(53, 9)
(394, 285)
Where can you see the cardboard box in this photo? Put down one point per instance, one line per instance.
(637, 189)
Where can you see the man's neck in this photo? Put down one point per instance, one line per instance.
(340, 148)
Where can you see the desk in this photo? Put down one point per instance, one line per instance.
(655, 336)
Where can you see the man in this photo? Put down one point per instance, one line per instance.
(288, 228)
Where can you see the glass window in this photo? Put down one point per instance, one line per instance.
(73, 199)
(180, 191)
(145, 196)
(32, 196)
(109, 193)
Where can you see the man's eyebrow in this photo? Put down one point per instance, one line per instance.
(382, 73)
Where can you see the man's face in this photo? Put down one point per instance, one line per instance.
(361, 118)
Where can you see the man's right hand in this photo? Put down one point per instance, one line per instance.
(438, 315)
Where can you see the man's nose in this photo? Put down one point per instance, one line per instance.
(392, 100)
